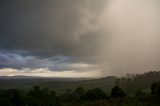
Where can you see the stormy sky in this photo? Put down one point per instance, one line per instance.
(79, 38)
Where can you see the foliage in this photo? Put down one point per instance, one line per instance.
(155, 89)
(117, 92)
(94, 94)
(140, 93)
(38, 96)
(134, 82)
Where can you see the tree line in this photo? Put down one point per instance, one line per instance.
(37, 96)
(134, 82)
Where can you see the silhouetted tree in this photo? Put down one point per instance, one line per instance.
(5, 102)
(140, 93)
(42, 97)
(155, 88)
(117, 92)
(79, 91)
(94, 94)
(17, 99)
(133, 82)
(14, 96)
(68, 96)
(54, 100)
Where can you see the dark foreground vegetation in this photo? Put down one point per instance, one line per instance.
(79, 97)
(131, 90)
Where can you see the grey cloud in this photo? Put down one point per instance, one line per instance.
(122, 36)
(53, 34)
(54, 63)
(62, 27)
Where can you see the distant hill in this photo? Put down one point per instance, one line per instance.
(130, 83)
(35, 77)
(57, 84)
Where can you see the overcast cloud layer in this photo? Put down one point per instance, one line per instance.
(99, 37)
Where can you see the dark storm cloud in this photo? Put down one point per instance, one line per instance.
(54, 26)
(34, 32)
(54, 63)
(110, 36)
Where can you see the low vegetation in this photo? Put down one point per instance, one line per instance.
(38, 96)
(124, 92)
